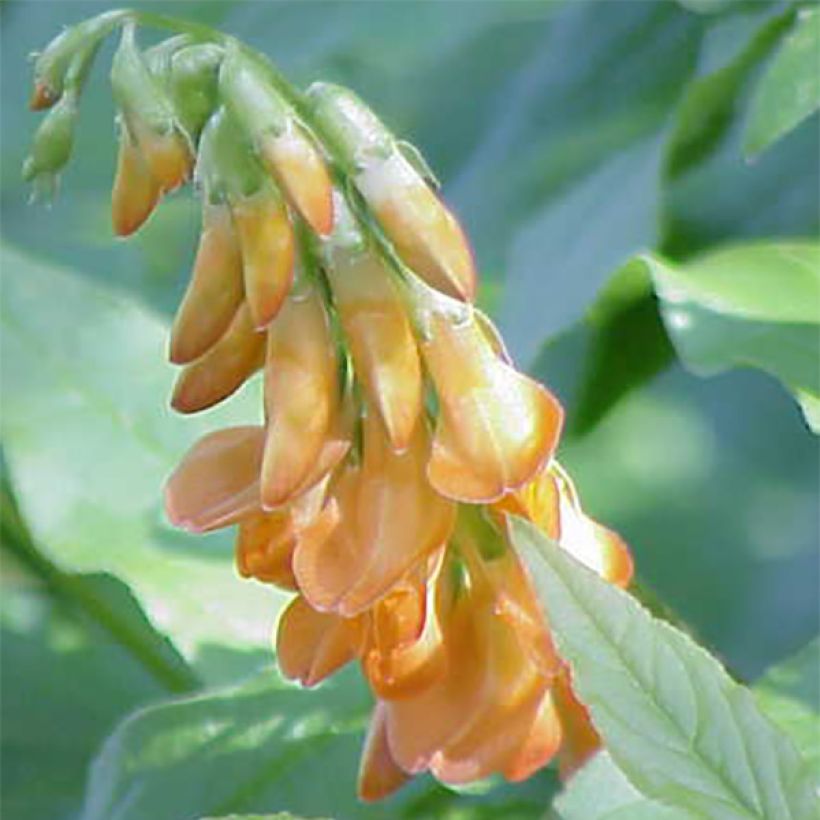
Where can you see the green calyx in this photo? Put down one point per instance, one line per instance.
(137, 91)
(227, 167)
(251, 98)
(355, 132)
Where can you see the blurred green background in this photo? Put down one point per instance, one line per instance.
(569, 136)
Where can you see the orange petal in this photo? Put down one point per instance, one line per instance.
(215, 290)
(311, 645)
(597, 547)
(298, 166)
(538, 500)
(264, 548)
(421, 725)
(136, 192)
(580, 740)
(490, 742)
(223, 369)
(391, 518)
(426, 235)
(404, 652)
(301, 394)
(266, 239)
(496, 427)
(381, 342)
(167, 156)
(216, 483)
(540, 744)
(379, 774)
(510, 690)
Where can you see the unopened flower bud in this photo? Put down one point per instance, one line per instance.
(65, 59)
(149, 115)
(376, 326)
(425, 234)
(284, 146)
(53, 141)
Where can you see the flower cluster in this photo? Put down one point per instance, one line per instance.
(397, 435)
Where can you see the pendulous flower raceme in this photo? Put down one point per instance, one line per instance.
(397, 434)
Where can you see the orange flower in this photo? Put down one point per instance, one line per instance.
(302, 399)
(299, 168)
(217, 482)
(266, 239)
(379, 774)
(215, 290)
(403, 651)
(136, 192)
(390, 519)
(496, 427)
(426, 235)
(223, 368)
(311, 645)
(377, 330)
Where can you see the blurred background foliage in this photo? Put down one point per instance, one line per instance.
(571, 137)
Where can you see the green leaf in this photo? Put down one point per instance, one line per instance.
(89, 443)
(752, 305)
(627, 346)
(600, 791)
(282, 815)
(789, 92)
(77, 655)
(679, 728)
(711, 102)
(789, 693)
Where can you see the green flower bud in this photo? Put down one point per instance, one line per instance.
(193, 84)
(66, 59)
(54, 139)
(356, 133)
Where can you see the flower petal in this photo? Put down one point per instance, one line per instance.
(215, 290)
(391, 518)
(379, 774)
(404, 652)
(223, 369)
(135, 193)
(589, 542)
(384, 352)
(216, 483)
(540, 744)
(300, 169)
(167, 156)
(312, 645)
(580, 740)
(266, 238)
(426, 235)
(419, 726)
(301, 394)
(497, 427)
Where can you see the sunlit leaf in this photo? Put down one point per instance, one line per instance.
(789, 693)
(754, 305)
(674, 722)
(789, 92)
(89, 442)
(600, 791)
